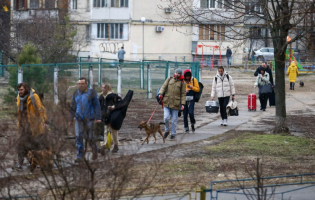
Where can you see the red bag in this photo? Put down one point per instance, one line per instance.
(252, 102)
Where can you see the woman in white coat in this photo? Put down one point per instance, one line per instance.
(223, 86)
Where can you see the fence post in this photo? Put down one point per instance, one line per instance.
(200, 73)
(119, 80)
(202, 193)
(142, 75)
(99, 73)
(149, 92)
(56, 69)
(80, 67)
(91, 77)
(20, 75)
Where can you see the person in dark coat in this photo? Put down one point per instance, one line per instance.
(228, 56)
(267, 69)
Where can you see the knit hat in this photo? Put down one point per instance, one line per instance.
(179, 71)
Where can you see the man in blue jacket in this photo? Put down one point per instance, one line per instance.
(85, 109)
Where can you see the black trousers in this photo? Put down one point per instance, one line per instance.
(223, 102)
(189, 110)
(263, 98)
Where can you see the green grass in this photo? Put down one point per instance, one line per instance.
(265, 144)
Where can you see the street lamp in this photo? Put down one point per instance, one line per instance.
(142, 20)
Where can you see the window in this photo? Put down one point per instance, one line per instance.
(253, 8)
(74, 4)
(34, 4)
(88, 32)
(119, 3)
(212, 32)
(227, 4)
(110, 31)
(100, 3)
(21, 4)
(49, 3)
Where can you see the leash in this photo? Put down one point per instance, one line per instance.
(155, 109)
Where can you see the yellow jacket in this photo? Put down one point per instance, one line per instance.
(292, 72)
(195, 85)
(36, 116)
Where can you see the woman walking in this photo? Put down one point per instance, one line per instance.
(292, 72)
(261, 80)
(223, 86)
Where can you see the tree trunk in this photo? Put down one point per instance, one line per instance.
(281, 124)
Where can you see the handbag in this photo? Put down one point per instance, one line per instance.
(234, 112)
(265, 89)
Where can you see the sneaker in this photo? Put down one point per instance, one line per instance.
(78, 160)
(172, 137)
(115, 149)
(193, 128)
(222, 122)
(225, 122)
(187, 132)
(17, 167)
(166, 134)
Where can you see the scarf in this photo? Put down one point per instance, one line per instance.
(22, 99)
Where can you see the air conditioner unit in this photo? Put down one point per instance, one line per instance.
(159, 28)
(168, 10)
(32, 12)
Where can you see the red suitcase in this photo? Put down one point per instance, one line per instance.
(252, 102)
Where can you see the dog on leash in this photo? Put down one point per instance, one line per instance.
(151, 129)
(301, 83)
(43, 158)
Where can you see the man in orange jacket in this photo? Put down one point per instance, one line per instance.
(31, 119)
(192, 87)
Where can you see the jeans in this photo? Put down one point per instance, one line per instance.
(83, 129)
(168, 113)
(223, 102)
(228, 61)
(292, 85)
(263, 98)
(189, 109)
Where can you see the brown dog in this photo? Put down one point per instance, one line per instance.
(42, 158)
(151, 129)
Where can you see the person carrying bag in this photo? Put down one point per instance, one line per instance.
(265, 87)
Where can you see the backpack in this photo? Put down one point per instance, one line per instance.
(197, 95)
(227, 76)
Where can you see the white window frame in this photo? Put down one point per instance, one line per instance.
(74, 4)
(120, 2)
(113, 29)
(88, 32)
(213, 30)
(101, 3)
(214, 4)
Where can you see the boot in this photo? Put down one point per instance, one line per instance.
(115, 149)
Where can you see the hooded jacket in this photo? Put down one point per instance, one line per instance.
(292, 72)
(175, 92)
(193, 82)
(266, 70)
(36, 115)
(222, 86)
(263, 80)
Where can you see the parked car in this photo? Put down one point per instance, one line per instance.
(264, 54)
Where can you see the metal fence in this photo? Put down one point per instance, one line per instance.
(52, 79)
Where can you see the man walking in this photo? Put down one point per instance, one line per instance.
(85, 108)
(121, 55)
(267, 69)
(174, 99)
(31, 119)
(192, 86)
(228, 56)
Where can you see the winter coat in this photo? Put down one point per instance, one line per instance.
(85, 105)
(175, 92)
(292, 72)
(222, 86)
(228, 53)
(36, 115)
(263, 80)
(267, 70)
(111, 99)
(193, 82)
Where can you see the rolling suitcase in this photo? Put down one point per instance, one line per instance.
(272, 99)
(252, 101)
